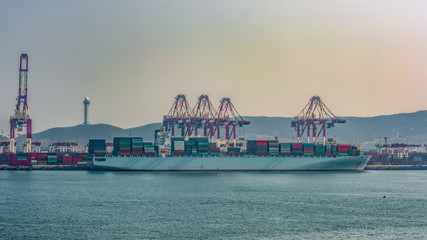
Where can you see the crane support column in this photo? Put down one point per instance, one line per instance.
(29, 136)
(12, 136)
(324, 134)
(314, 133)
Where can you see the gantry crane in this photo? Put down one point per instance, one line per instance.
(314, 114)
(179, 114)
(228, 117)
(203, 115)
(21, 117)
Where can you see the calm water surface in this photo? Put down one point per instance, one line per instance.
(138, 205)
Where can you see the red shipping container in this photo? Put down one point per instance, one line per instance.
(176, 152)
(296, 145)
(262, 152)
(20, 162)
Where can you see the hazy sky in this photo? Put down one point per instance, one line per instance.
(364, 58)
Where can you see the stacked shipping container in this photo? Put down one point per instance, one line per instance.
(178, 145)
(214, 149)
(122, 146)
(203, 146)
(273, 147)
(52, 159)
(235, 151)
(97, 147)
(308, 149)
(261, 147)
(190, 147)
(319, 150)
(285, 149)
(343, 150)
(251, 147)
(149, 149)
(137, 147)
(297, 149)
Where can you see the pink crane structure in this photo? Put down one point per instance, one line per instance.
(228, 117)
(21, 117)
(179, 114)
(203, 116)
(314, 114)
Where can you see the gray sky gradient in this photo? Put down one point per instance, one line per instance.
(364, 58)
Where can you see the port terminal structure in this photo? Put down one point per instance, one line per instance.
(203, 117)
(63, 147)
(315, 117)
(21, 117)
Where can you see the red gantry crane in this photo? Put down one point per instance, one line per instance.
(315, 118)
(21, 117)
(180, 115)
(204, 116)
(228, 117)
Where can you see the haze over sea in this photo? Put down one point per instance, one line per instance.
(135, 205)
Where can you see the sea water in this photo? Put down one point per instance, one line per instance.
(217, 205)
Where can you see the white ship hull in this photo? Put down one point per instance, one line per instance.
(230, 163)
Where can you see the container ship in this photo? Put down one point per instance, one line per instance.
(199, 154)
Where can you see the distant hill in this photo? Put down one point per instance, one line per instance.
(82, 133)
(367, 131)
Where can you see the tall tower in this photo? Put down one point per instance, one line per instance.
(86, 103)
(21, 116)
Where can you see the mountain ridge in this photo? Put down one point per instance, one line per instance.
(367, 131)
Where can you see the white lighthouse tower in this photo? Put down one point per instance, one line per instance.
(86, 103)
